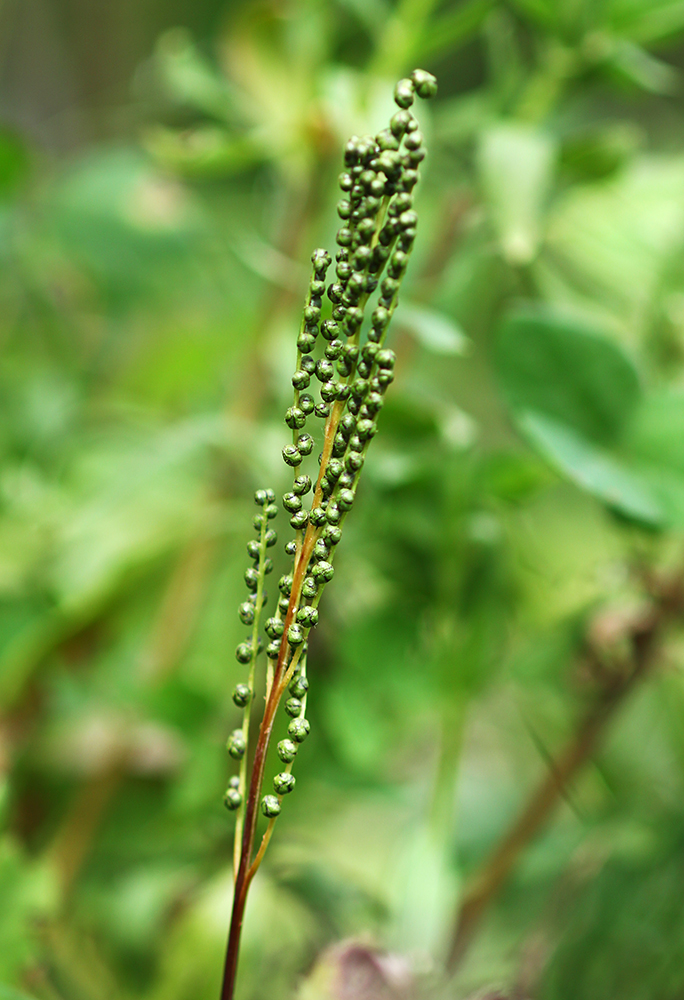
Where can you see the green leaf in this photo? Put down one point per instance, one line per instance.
(656, 442)
(454, 29)
(516, 164)
(592, 468)
(563, 369)
(643, 69)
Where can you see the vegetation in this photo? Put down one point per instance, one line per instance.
(491, 793)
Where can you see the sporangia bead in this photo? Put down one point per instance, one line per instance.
(232, 799)
(301, 485)
(345, 499)
(260, 498)
(344, 208)
(385, 358)
(317, 288)
(306, 342)
(425, 83)
(287, 751)
(267, 566)
(322, 410)
(323, 572)
(366, 429)
(354, 461)
(236, 745)
(290, 548)
(292, 455)
(348, 423)
(301, 379)
(271, 538)
(270, 806)
(274, 628)
(345, 182)
(321, 551)
(293, 707)
(271, 511)
(299, 729)
(339, 446)
(305, 444)
(299, 685)
(246, 613)
(334, 349)
(241, 695)
(308, 616)
(362, 257)
(234, 782)
(253, 549)
(344, 237)
(306, 403)
(330, 330)
(329, 391)
(273, 649)
(285, 584)
(283, 605)
(283, 783)
(299, 520)
(292, 502)
(309, 587)
(295, 636)
(332, 534)
(399, 122)
(317, 516)
(252, 578)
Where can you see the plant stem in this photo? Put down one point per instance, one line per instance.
(645, 634)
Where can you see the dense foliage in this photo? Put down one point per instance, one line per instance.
(509, 592)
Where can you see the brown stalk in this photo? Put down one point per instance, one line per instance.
(644, 634)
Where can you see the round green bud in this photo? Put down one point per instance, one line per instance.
(306, 403)
(399, 122)
(295, 636)
(322, 410)
(299, 685)
(345, 499)
(334, 349)
(232, 799)
(253, 549)
(333, 514)
(309, 587)
(243, 654)
(273, 649)
(385, 358)
(236, 745)
(306, 342)
(270, 806)
(344, 209)
(308, 616)
(301, 379)
(332, 534)
(241, 695)
(330, 330)
(283, 783)
(324, 370)
(299, 520)
(283, 605)
(329, 391)
(323, 571)
(252, 578)
(292, 455)
(271, 538)
(260, 498)
(295, 418)
(293, 707)
(271, 511)
(258, 521)
(321, 260)
(344, 237)
(246, 613)
(345, 181)
(291, 548)
(292, 502)
(354, 461)
(299, 729)
(321, 549)
(301, 485)
(285, 584)
(287, 751)
(425, 83)
(274, 628)
(416, 156)
(305, 444)
(234, 782)
(317, 516)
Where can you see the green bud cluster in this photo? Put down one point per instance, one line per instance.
(341, 375)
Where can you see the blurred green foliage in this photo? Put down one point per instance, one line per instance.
(155, 229)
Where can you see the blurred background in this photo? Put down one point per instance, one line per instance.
(508, 592)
